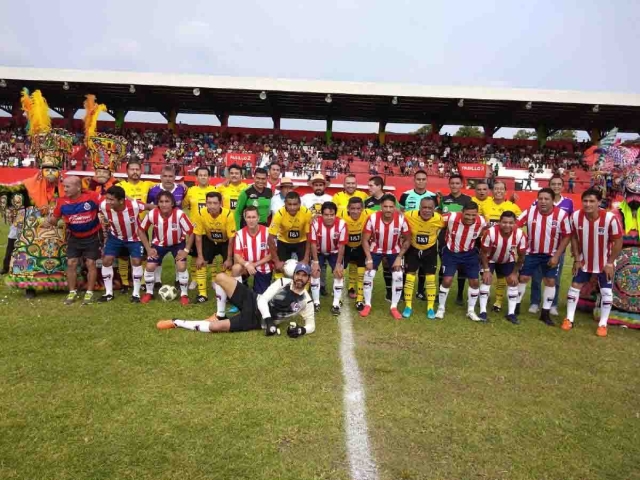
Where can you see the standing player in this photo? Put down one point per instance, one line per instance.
(502, 251)
(277, 201)
(258, 195)
(123, 217)
(172, 233)
(482, 198)
(425, 224)
(251, 252)
(232, 187)
(549, 233)
(460, 253)
(597, 240)
(290, 226)
(273, 181)
(327, 240)
(355, 217)
(386, 235)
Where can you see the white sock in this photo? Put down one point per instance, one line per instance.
(315, 290)
(472, 298)
(367, 285)
(573, 295)
(442, 298)
(512, 300)
(107, 278)
(221, 301)
(396, 288)
(137, 279)
(522, 288)
(605, 306)
(338, 285)
(547, 297)
(149, 279)
(238, 279)
(183, 278)
(158, 274)
(484, 297)
(198, 325)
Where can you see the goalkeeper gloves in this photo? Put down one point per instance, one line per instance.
(295, 331)
(271, 328)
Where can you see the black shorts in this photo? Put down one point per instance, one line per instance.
(88, 247)
(249, 316)
(354, 255)
(211, 250)
(286, 250)
(425, 260)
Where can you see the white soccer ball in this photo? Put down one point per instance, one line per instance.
(290, 267)
(168, 293)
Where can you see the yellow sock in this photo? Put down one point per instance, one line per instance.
(409, 282)
(353, 276)
(192, 268)
(201, 280)
(430, 290)
(501, 286)
(123, 270)
(360, 288)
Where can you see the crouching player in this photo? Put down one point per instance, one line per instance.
(251, 253)
(285, 298)
(500, 247)
(596, 242)
(328, 238)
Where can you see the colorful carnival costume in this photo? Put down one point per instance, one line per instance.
(39, 259)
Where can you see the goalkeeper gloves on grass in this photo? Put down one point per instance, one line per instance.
(295, 331)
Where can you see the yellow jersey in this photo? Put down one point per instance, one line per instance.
(230, 194)
(492, 211)
(341, 199)
(482, 204)
(290, 229)
(195, 199)
(138, 191)
(217, 229)
(355, 227)
(424, 233)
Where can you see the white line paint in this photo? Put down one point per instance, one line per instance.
(361, 461)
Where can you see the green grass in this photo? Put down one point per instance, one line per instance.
(97, 392)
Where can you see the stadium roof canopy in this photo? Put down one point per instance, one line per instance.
(307, 99)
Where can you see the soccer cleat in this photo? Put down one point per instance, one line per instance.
(124, 289)
(316, 307)
(566, 325)
(545, 317)
(365, 311)
(146, 298)
(135, 299)
(184, 300)
(165, 325)
(431, 315)
(201, 299)
(517, 311)
(421, 296)
(157, 285)
(352, 293)
(534, 308)
(440, 313)
(105, 298)
(460, 301)
(323, 291)
(395, 313)
(359, 306)
(601, 331)
(483, 317)
(513, 319)
(71, 298)
(233, 310)
(88, 298)
(193, 285)
(335, 311)
(497, 308)
(554, 311)
(406, 313)
(472, 316)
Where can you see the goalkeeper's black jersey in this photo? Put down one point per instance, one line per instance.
(286, 303)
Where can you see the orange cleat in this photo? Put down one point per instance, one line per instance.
(365, 311)
(395, 313)
(165, 325)
(566, 325)
(146, 298)
(601, 331)
(184, 300)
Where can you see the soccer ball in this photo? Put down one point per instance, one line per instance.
(168, 293)
(290, 267)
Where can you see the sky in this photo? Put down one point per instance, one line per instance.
(576, 45)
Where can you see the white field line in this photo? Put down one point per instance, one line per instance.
(361, 461)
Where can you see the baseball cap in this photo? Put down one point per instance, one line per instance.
(302, 267)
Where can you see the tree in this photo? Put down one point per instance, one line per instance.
(564, 135)
(423, 130)
(525, 135)
(466, 131)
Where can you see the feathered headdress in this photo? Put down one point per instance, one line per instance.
(106, 151)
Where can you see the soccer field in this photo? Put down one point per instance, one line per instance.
(97, 392)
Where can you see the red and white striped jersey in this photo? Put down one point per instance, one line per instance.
(461, 238)
(503, 249)
(544, 232)
(170, 231)
(595, 238)
(124, 224)
(386, 238)
(329, 239)
(253, 248)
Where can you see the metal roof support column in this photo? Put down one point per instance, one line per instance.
(329, 130)
(69, 112)
(224, 121)
(16, 113)
(119, 117)
(596, 135)
(276, 123)
(489, 131)
(171, 120)
(542, 132)
(382, 127)
(435, 128)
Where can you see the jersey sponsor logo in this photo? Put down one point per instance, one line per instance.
(233, 204)
(602, 230)
(554, 224)
(216, 236)
(422, 239)
(201, 206)
(355, 238)
(294, 234)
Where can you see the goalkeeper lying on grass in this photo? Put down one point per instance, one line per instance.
(283, 299)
